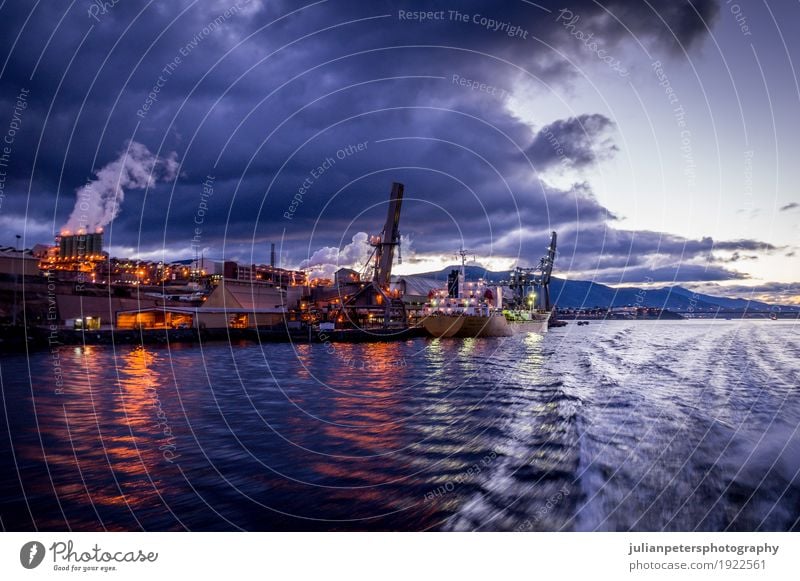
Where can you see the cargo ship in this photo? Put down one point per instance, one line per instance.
(502, 324)
(476, 309)
(465, 309)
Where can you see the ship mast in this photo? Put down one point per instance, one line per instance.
(463, 253)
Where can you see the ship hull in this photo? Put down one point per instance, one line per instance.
(539, 326)
(443, 325)
(466, 326)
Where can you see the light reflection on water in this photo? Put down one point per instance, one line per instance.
(626, 425)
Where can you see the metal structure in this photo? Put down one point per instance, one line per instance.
(457, 278)
(389, 238)
(79, 246)
(463, 253)
(375, 298)
(526, 282)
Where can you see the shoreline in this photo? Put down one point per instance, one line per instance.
(15, 340)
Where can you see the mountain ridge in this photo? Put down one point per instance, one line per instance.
(567, 293)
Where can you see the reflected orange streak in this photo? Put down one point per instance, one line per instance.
(106, 425)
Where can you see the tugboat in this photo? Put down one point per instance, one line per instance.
(473, 309)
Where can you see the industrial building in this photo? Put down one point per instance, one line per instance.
(416, 290)
(18, 262)
(74, 253)
(80, 246)
(234, 304)
(76, 311)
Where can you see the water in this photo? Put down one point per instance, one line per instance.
(684, 425)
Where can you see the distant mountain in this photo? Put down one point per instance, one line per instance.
(587, 294)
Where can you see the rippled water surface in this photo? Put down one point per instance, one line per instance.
(614, 426)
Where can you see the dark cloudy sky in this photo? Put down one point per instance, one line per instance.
(658, 138)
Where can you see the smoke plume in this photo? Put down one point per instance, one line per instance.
(99, 201)
(328, 259)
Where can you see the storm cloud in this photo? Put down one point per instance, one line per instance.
(574, 142)
(312, 111)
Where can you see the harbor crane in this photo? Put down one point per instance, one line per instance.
(375, 297)
(389, 238)
(525, 281)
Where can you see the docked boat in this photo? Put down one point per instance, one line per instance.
(494, 324)
(464, 325)
(464, 309)
(475, 309)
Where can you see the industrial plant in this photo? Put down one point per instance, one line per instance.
(73, 287)
(75, 292)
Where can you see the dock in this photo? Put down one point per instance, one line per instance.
(36, 338)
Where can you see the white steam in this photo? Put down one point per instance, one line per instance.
(99, 201)
(328, 259)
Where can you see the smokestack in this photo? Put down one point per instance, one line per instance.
(96, 243)
(272, 255)
(71, 246)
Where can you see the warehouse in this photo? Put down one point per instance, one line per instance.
(233, 305)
